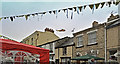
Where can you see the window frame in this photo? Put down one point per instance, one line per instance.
(92, 33)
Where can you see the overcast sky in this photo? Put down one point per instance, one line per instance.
(20, 28)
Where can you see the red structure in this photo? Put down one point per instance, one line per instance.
(9, 45)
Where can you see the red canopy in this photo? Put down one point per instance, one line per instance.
(6, 44)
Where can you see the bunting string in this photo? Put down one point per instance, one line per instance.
(77, 9)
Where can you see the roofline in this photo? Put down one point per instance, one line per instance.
(53, 41)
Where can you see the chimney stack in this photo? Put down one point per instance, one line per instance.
(112, 17)
(49, 30)
(95, 23)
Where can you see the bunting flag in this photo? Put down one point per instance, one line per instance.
(0, 19)
(56, 13)
(73, 9)
(80, 8)
(97, 5)
(11, 18)
(64, 9)
(93, 9)
(85, 6)
(77, 10)
(116, 3)
(109, 3)
(72, 14)
(58, 10)
(50, 12)
(91, 6)
(67, 13)
(102, 4)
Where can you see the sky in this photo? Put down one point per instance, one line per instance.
(20, 28)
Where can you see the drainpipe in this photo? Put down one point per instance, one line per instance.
(105, 41)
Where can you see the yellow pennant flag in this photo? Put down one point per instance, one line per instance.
(91, 6)
(97, 5)
(85, 6)
(102, 4)
(0, 19)
(117, 3)
(80, 8)
(26, 17)
(109, 4)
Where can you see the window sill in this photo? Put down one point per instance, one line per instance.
(80, 46)
(90, 44)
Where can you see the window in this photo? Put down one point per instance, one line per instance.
(79, 41)
(31, 41)
(64, 51)
(92, 37)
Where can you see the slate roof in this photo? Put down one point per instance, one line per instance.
(65, 43)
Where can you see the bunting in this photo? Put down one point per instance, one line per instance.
(77, 9)
(72, 14)
(97, 5)
(102, 4)
(67, 13)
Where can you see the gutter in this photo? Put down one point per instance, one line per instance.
(105, 42)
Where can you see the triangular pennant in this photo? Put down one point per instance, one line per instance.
(36, 13)
(50, 12)
(113, 2)
(116, 3)
(75, 8)
(85, 6)
(11, 18)
(5, 17)
(67, 13)
(0, 19)
(33, 14)
(14, 17)
(54, 12)
(26, 17)
(43, 12)
(102, 4)
(91, 6)
(72, 14)
(97, 5)
(64, 9)
(58, 10)
(70, 8)
(80, 8)
(109, 3)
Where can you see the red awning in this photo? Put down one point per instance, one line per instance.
(13, 45)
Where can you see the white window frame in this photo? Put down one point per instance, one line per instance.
(90, 43)
(81, 41)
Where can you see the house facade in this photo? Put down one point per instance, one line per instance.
(51, 47)
(113, 39)
(101, 40)
(90, 41)
(64, 50)
(39, 38)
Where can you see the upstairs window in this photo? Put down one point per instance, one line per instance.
(64, 51)
(51, 47)
(92, 37)
(79, 41)
(31, 41)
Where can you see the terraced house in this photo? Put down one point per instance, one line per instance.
(98, 40)
(39, 38)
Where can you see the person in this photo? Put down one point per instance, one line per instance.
(92, 61)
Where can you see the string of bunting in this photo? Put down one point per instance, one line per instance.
(77, 9)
